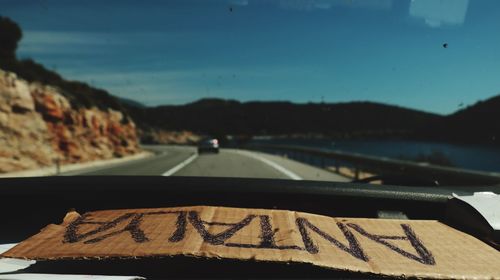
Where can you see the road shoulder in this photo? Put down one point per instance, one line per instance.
(301, 170)
(76, 168)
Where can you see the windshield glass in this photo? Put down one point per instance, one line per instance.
(395, 92)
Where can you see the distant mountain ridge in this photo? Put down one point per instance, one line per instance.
(131, 103)
(477, 123)
(359, 119)
(219, 116)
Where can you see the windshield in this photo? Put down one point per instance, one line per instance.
(346, 139)
(396, 92)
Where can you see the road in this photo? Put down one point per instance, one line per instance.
(184, 161)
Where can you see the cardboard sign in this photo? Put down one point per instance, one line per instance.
(390, 247)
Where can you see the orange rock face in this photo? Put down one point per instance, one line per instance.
(38, 126)
(49, 105)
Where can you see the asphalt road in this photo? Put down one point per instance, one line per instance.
(184, 161)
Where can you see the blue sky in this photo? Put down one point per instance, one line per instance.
(174, 52)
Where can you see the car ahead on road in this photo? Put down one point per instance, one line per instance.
(208, 145)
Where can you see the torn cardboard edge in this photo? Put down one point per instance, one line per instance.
(376, 246)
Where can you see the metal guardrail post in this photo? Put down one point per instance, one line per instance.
(58, 166)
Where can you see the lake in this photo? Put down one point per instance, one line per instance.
(476, 157)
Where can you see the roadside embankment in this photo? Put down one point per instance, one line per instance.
(40, 128)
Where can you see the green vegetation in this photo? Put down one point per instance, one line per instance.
(10, 34)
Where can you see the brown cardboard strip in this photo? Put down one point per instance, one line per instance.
(390, 247)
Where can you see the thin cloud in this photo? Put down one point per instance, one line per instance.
(64, 37)
(74, 42)
(239, 2)
(57, 42)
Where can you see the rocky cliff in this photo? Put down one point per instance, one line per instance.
(39, 126)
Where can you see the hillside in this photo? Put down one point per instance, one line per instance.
(45, 119)
(476, 123)
(39, 126)
(220, 117)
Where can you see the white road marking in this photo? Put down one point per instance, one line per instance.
(274, 165)
(179, 166)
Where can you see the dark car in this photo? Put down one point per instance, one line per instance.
(208, 145)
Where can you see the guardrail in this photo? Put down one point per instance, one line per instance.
(386, 166)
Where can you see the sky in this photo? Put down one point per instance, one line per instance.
(176, 52)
